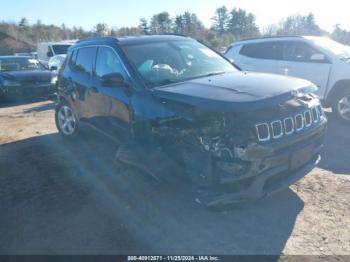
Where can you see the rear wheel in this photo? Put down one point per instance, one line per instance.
(341, 105)
(66, 121)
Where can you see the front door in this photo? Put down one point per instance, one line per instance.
(297, 62)
(112, 102)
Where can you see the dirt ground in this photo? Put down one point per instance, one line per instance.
(59, 197)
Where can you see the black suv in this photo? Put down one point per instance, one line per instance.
(173, 102)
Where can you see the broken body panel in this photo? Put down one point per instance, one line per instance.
(216, 134)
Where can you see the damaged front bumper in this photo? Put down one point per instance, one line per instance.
(233, 175)
(259, 188)
(272, 168)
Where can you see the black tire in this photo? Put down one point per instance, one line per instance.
(339, 105)
(66, 121)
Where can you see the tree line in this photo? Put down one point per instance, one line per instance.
(227, 26)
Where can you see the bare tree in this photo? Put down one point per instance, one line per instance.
(101, 29)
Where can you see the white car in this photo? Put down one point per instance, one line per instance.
(56, 62)
(321, 60)
(51, 49)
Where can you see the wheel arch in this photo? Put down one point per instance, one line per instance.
(64, 99)
(337, 87)
(61, 99)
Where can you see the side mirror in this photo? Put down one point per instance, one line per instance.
(113, 80)
(318, 58)
(53, 68)
(49, 54)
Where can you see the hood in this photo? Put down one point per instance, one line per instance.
(28, 77)
(233, 91)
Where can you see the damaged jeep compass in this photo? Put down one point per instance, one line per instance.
(170, 101)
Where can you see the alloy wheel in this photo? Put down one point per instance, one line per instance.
(344, 107)
(66, 120)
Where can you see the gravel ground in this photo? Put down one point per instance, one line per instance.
(59, 197)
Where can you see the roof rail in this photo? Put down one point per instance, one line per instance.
(268, 37)
(104, 38)
(101, 38)
(174, 34)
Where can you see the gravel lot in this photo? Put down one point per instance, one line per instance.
(59, 197)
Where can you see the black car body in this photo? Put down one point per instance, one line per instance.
(238, 136)
(22, 77)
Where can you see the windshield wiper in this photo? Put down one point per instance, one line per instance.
(207, 75)
(161, 83)
(167, 81)
(171, 81)
(214, 74)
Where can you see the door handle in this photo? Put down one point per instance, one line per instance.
(285, 70)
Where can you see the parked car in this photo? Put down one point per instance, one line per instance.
(47, 50)
(22, 76)
(21, 54)
(34, 55)
(56, 62)
(323, 61)
(173, 102)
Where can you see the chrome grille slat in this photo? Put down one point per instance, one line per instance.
(307, 118)
(301, 120)
(261, 137)
(320, 112)
(315, 115)
(289, 125)
(291, 122)
(275, 126)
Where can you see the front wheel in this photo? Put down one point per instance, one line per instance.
(341, 105)
(66, 121)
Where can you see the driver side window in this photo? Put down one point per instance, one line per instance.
(107, 62)
(297, 51)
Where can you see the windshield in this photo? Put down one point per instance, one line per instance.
(342, 51)
(60, 49)
(175, 61)
(19, 64)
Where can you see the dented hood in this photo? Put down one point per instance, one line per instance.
(233, 91)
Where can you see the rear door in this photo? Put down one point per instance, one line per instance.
(297, 62)
(82, 80)
(260, 57)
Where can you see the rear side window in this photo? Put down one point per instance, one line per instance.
(265, 50)
(73, 59)
(85, 60)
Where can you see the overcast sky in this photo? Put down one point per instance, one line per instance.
(119, 13)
